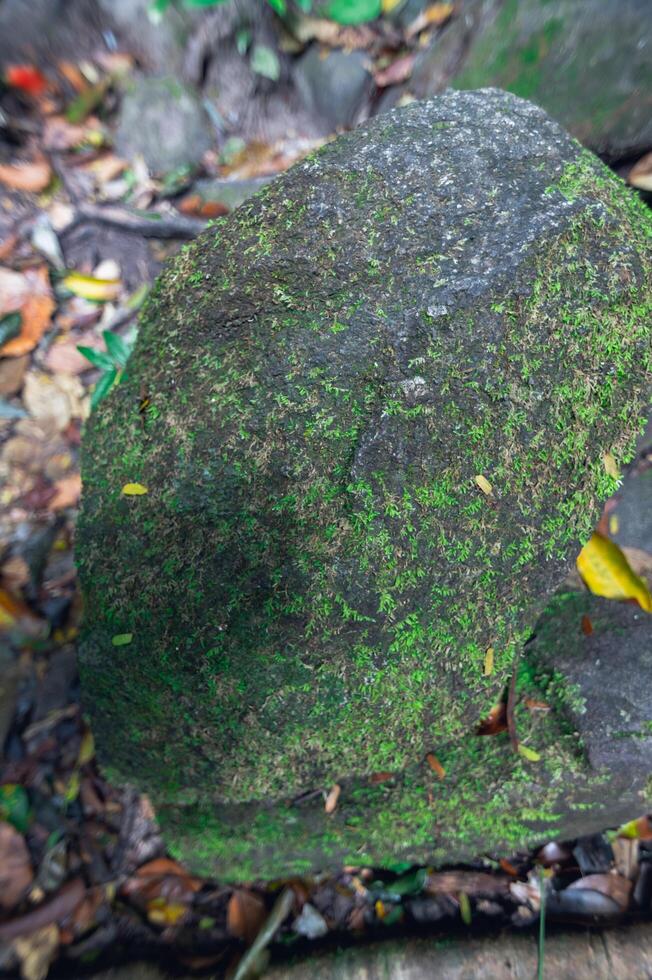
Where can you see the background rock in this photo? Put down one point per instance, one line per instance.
(164, 122)
(587, 62)
(334, 87)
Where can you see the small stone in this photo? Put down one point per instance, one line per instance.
(164, 122)
(335, 87)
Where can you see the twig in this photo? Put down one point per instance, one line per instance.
(161, 226)
(281, 909)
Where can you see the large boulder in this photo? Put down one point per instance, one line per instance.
(371, 410)
(587, 62)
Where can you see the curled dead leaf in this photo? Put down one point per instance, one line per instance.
(31, 177)
(245, 915)
(436, 765)
(15, 866)
(30, 294)
(331, 800)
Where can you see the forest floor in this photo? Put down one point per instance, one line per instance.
(84, 874)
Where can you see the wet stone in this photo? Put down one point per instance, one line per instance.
(375, 444)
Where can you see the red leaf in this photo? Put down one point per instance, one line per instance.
(27, 78)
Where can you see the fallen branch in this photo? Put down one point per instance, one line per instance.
(161, 226)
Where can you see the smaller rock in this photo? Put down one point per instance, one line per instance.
(164, 122)
(336, 87)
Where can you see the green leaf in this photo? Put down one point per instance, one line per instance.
(117, 348)
(14, 806)
(305, 5)
(279, 7)
(122, 639)
(243, 40)
(353, 11)
(98, 358)
(103, 387)
(9, 327)
(156, 10)
(265, 62)
(411, 884)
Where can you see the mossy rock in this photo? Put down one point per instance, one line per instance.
(587, 62)
(313, 580)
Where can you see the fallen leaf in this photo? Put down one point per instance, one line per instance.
(68, 491)
(483, 483)
(46, 401)
(164, 913)
(640, 829)
(134, 490)
(399, 71)
(614, 524)
(587, 625)
(610, 466)
(29, 293)
(196, 205)
(37, 951)
(14, 614)
(92, 288)
(122, 639)
(245, 915)
(27, 78)
(465, 908)
(86, 749)
(56, 909)
(59, 134)
(32, 177)
(533, 705)
(381, 777)
(332, 798)
(641, 173)
(488, 668)
(63, 357)
(433, 16)
(606, 572)
(15, 572)
(495, 722)
(436, 765)
(528, 753)
(15, 866)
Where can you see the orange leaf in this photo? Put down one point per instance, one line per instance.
(495, 722)
(30, 293)
(587, 625)
(68, 490)
(435, 765)
(381, 777)
(245, 914)
(32, 177)
(195, 204)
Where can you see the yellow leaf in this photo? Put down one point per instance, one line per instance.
(389, 5)
(489, 662)
(483, 483)
(122, 639)
(528, 753)
(86, 749)
(134, 489)
(611, 466)
(465, 908)
(614, 524)
(163, 913)
(606, 572)
(88, 287)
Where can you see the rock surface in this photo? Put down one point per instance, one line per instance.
(164, 122)
(587, 62)
(313, 580)
(335, 88)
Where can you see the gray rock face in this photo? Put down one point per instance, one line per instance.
(335, 87)
(382, 391)
(587, 62)
(164, 122)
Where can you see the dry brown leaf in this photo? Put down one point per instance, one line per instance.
(12, 372)
(195, 204)
(68, 490)
(245, 915)
(106, 168)
(29, 293)
(433, 16)
(641, 173)
(495, 722)
(436, 765)
(64, 358)
(15, 866)
(15, 573)
(46, 401)
(332, 798)
(381, 777)
(399, 71)
(59, 134)
(36, 952)
(31, 177)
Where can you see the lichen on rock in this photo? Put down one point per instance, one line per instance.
(454, 290)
